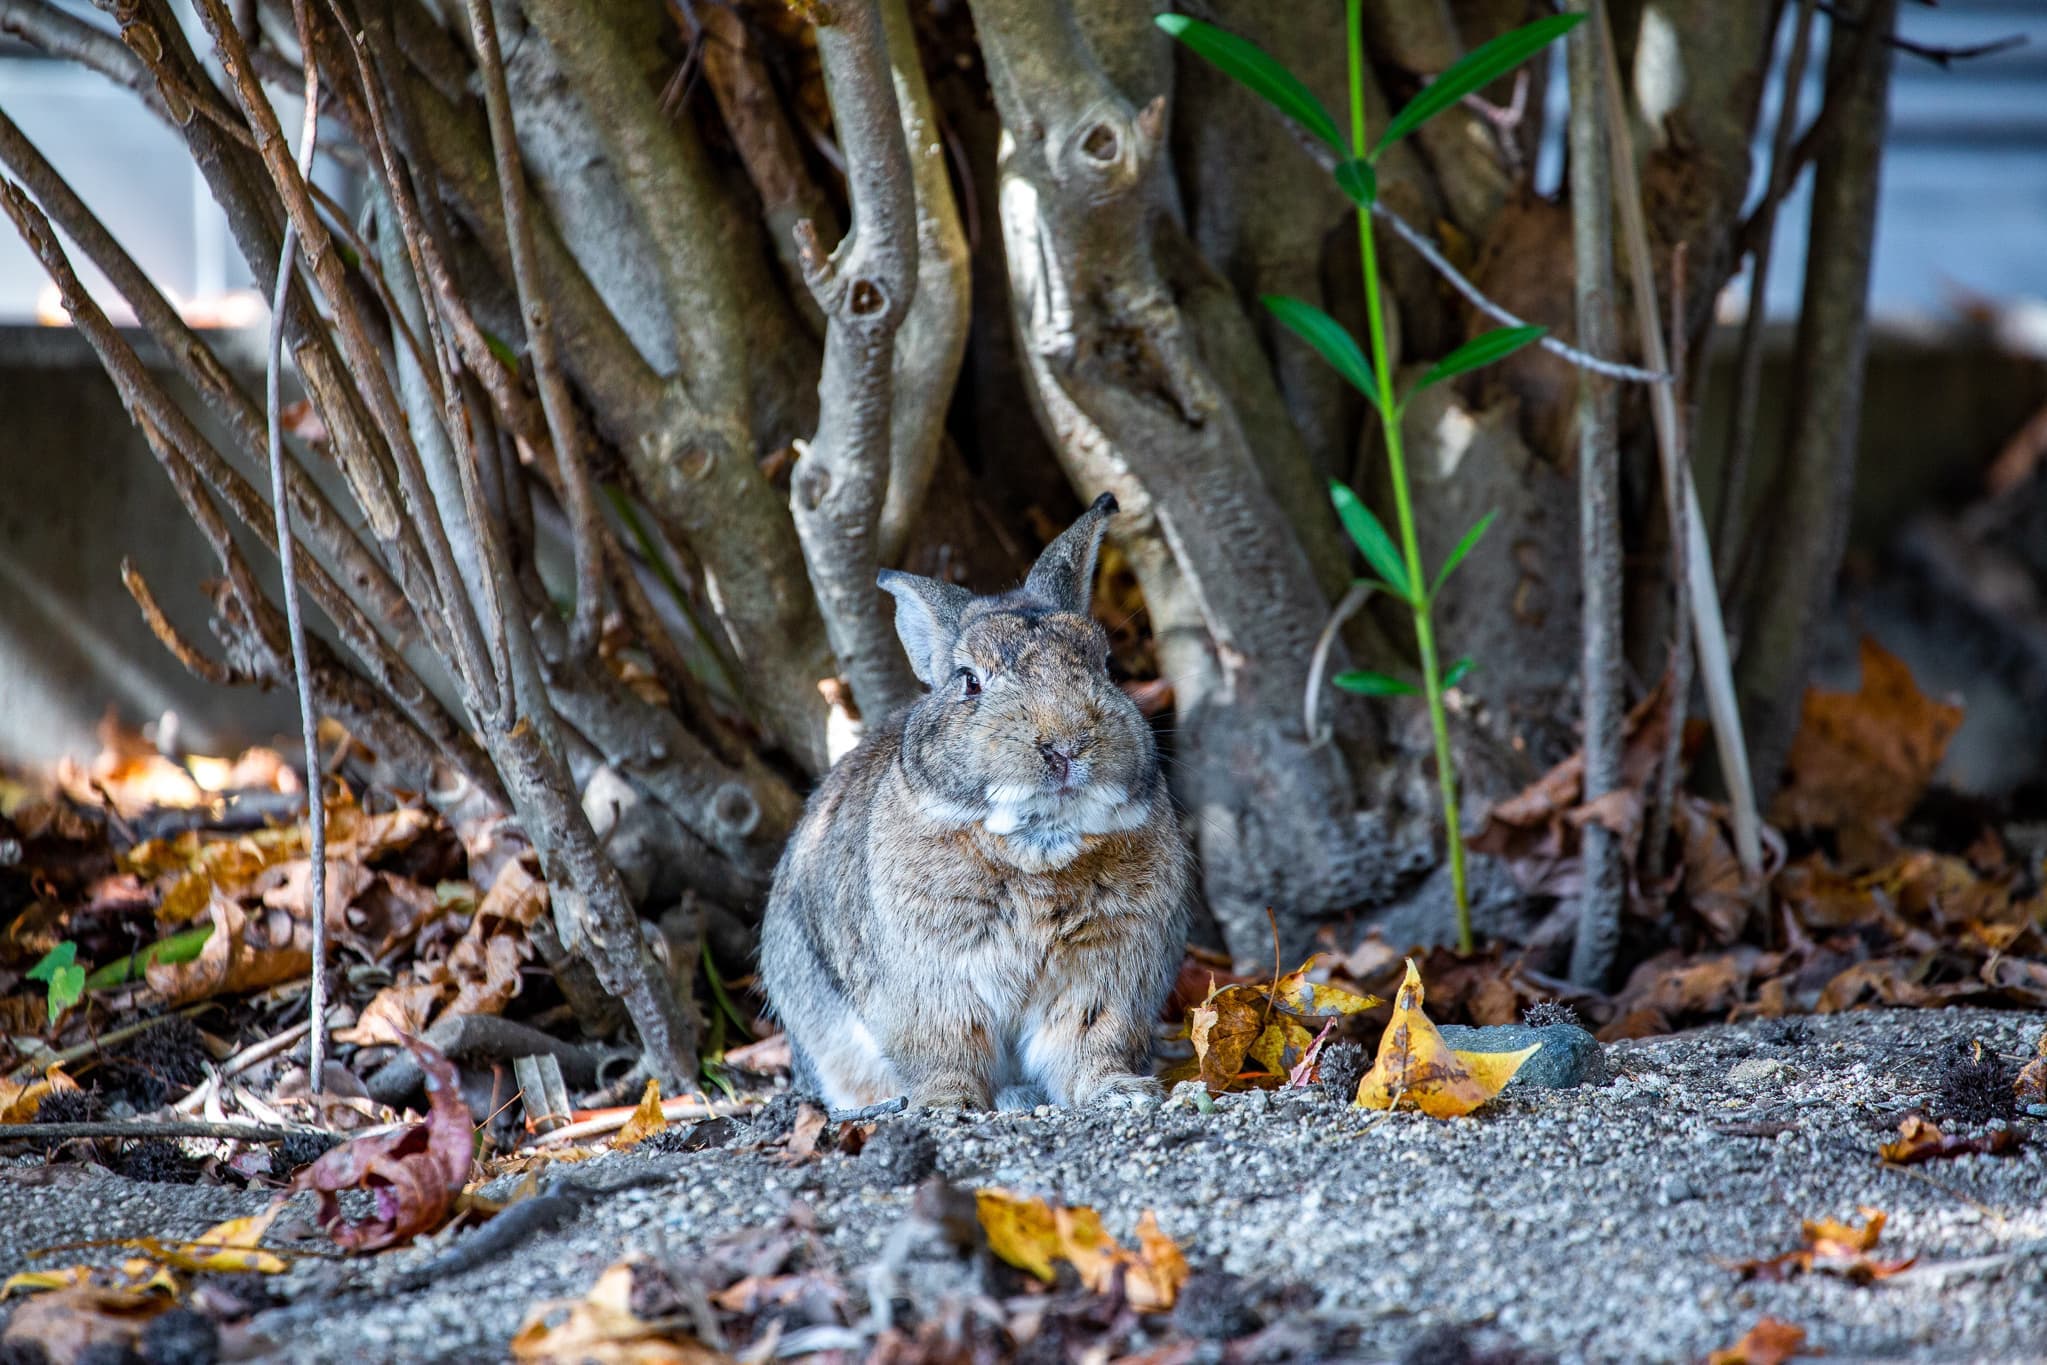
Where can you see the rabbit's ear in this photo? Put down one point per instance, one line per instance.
(927, 621)
(1064, 576)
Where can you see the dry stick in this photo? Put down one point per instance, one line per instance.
(1716, 667)
(364, 359)
(1748, 383)
(211, 380)
(184, 651)
(1311, 704)
(1940, 55)
(1599, 908)
(1661, 809)
(585, 519)
(682, 1107)
(151, 1128)
(294, 621)
(170, 434)
(1426, 249)
(242, 1061)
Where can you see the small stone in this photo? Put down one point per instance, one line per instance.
(1758, 1074)
(1254, 1101)
(1570, 1057)
(1674, 1189)
(1190, 1095)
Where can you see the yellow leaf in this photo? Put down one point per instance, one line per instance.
(1296, 993)
(602, 1329)
(1416, 1069)
(30, 1281)
(646, 1121)
(1031, 1234)
(1281, 1038)
(1154, 1283)
(193, 1256)
(1020, 1231)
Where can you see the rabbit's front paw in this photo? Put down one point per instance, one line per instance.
(948, 1095)
(1119, 1092)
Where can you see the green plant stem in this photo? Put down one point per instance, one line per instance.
(1396, 462)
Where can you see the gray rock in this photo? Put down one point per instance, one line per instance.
(1570, 1056)
(1758, 1074)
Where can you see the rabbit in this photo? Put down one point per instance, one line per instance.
(987, 898)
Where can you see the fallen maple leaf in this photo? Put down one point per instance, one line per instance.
(243, 953)
(1271, 1023)
(1769, 1342)
(601, 1328)
(1417, 1069)
(1032, 1234)
(1865, 757)
(414, 1174)
(646, 1121)
(1831, 1248)
(1919, 1141)
(227, 1247)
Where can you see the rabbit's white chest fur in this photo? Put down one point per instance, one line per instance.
(1039, 831)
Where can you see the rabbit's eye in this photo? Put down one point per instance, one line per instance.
(970, 681)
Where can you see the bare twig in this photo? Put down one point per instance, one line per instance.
(1311, 703)
(585, 520)
(242, 1061)
(181, 649)
(150, 1128)
(222, 392)
(468, 653)
(1599, 907)
(1748, 383)
(1716, 667)
(1940, 55)
(1680, 679)
(1427, 250)
(295, 626)
(682, 1107)
(867, 1113)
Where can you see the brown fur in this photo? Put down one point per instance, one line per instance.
(990, 892)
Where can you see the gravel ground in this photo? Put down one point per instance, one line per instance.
(1589, 1225)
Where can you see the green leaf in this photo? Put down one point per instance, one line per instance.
(1457, 672)
(1369, 534)
(1328, 337)
(1255, 68)
(1366, 683)
(177, 948)
(1457, 555)
(54, 961)
(1479, 351)
(60, 971)
(1358, 181)
(1474, 71)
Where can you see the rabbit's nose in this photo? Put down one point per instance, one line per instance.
(1059, 759)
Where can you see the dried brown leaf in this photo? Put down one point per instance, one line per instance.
(1865, 757)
